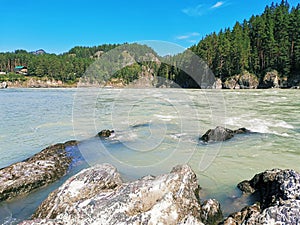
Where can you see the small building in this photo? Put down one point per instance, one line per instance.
(21, 70)
(2, 73)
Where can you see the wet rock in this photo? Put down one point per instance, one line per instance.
(278, 194)
(245, 214)
(41, 169)
(105, 133)
(221, 134)
(97, 196)
(241, 130)
(273, 185)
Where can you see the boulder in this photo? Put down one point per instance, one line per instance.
(105, 133)
(217, 84)
(41, 169)
(270, 80)
(244, 80)
(221, 134)
(278, 193)
(97, 196)
(211, 212)
(273, 186)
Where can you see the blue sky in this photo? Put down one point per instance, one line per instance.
(58, 25)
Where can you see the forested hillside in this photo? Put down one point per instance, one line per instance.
(67, 67)
(263, 43)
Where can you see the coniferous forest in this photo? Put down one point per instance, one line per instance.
(263, 43)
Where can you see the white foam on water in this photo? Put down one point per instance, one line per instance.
(165, 117)
(265, 126)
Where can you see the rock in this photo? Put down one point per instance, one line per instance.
(287, 212)
(279, 199)
(78, 189)
(217, 134)
(273, 185)
(221, 134)
(217, 84)
(270, 80)
(244, 80)
(105, 133)
(232, 83)
(211, 212)
(97, 196)
(241, 130)
(294, 81)
(43, 168)
(242, 216)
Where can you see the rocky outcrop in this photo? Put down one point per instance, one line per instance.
(43, 168)
(244, 80)
(273, 185)
(278, 193)
(32, 82)
(217, 84)
(97, 196)
(105, 133)
(270, 80)
(221, 134)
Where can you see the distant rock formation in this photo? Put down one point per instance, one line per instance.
(97, 195)
(244, 80)
(43, 168)
(221, 134)
(39, 52)
(270, 80)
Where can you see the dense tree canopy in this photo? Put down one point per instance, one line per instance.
(263, 43)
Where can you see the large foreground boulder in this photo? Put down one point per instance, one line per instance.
(221, 134)
(97, 196)
(278, 193)
(43, 168)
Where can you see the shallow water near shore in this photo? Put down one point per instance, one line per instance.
(155, 129)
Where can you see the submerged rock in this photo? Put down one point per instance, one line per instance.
(221, 134)
(105, 133)
(43, 168)
(97, 196)
(278, 194)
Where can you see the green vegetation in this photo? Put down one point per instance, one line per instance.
(266, 42)
(261, 44)
(12, 77)
(67, 67)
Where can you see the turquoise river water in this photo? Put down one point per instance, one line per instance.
(155, 129)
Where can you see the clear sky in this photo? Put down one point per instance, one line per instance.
(58, 25)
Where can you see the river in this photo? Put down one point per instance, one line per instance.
(155, 129)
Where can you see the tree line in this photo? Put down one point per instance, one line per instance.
(264, 42)
(67, 67)
(270, 41)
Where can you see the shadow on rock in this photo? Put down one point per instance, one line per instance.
(222, 134)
